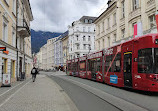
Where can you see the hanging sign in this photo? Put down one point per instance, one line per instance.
(157, 20)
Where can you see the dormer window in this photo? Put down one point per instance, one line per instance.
(90, 21)
(86, 21)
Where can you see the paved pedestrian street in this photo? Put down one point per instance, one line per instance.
(42, 95)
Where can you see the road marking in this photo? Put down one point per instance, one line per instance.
(116, 101)
(13, 94)
(10, 89)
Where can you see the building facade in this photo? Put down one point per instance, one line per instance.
(116, 23)
(81, 37)
(58, 52)
(10, 35)
(24, 56)
(65, 48)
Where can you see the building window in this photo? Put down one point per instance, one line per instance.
(114, 37)
(5, 32)
(108, 41)
(77, 37)
(99, 45)
(108, 22)
(84, 38)
(77, 28)
(90, 21)
(84, 46)
(123, 33)
(152, 21)
(89, 29)
(103, 43)
(114, 18)
(103, 27)
(89, 38)
(86, 21)
(78, 55)
(13, 37)
(135, 4)
(4, 66)
(14, 7)
(78, 46)
(84, 29)
(98, 29)
(123, 8)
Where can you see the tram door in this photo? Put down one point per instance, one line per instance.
(127, 68)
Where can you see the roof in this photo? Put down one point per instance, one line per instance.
(63, 35)
(87, 17)
(105, 10)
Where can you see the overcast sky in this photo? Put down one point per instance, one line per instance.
(56, 15)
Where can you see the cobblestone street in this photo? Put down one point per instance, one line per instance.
(42, 95)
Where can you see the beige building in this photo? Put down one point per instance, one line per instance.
(65, 48)
(116, 23)
(13, 37)
(24, 56)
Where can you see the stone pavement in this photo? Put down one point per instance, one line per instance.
(42, 95)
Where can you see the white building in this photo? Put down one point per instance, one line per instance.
(58, 52)
(45, 57)
(81, 37)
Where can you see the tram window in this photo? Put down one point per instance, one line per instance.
(83, 65)
(98, 64)
(69, 66)
(156, 61)
(91, 64)
(74, 67)
(117, 63)
(145, 61)
(108, 63)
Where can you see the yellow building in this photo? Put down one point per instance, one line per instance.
(8, 38)
(13, 37)
(65, 48)
(116, 23)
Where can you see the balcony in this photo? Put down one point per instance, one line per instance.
(134, 14)
(23, 28)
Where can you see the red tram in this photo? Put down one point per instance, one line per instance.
(69, 67)
(75, 67)
(82, 67)
(132, 64)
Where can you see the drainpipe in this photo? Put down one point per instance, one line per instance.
(17, 39)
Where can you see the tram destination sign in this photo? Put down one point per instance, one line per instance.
(95, 55)
(2, 48)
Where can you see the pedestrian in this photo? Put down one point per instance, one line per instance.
(34, 73)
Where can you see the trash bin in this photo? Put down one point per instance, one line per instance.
(22, 76)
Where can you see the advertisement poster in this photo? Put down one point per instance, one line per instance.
(6, 80)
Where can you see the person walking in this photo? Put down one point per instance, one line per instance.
(34, 73)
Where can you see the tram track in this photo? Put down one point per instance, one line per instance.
(117, 102)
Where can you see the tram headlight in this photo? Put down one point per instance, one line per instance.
(156, 41)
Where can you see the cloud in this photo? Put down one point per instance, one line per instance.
(56, 15)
